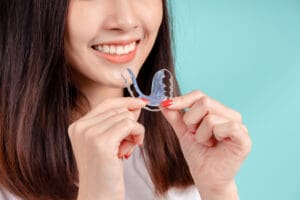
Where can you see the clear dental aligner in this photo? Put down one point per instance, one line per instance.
(161, 88)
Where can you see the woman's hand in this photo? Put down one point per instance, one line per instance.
(213, 140)
(99, 140)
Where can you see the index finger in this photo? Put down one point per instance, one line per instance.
(129, 103)
(186, 101)
(201, 103)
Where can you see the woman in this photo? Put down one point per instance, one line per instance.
(67, 123)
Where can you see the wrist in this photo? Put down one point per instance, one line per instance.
(99, 196)
(225, 192)
(100, 191)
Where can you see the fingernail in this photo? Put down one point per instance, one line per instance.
(166, 103)
(145, 100)
(127, 155)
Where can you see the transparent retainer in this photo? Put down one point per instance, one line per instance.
(161, 88)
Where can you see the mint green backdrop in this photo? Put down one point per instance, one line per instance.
(246, 54)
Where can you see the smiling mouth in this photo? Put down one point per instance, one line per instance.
(117, 53)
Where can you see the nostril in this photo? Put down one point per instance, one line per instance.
(121, 20)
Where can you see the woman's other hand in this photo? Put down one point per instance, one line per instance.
(214, 142)
(100, 139)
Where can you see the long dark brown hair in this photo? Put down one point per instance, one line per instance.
(37, 98)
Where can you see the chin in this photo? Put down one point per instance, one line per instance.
(119, 84)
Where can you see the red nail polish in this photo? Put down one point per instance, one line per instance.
(167, 103)
(127, 156)
(145, 100)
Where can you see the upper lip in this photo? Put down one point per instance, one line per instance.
(117, 42)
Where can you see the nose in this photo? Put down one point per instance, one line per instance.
(122, 16)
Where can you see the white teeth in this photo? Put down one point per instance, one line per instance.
(131, 47)
(106, 48)
(113, 49)
(120, 50)
(127, 48)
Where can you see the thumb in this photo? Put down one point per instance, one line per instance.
(174, 117)
(136, 113)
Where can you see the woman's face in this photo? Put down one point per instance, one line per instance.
(105, 36)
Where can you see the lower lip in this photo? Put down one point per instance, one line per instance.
(118, 59)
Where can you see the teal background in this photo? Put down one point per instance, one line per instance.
(246, 54)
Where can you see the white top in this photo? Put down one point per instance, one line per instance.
(138, 184)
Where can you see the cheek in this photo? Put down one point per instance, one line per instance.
(80, 23)
(77, 34)
(150, 13)
(154, 17)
